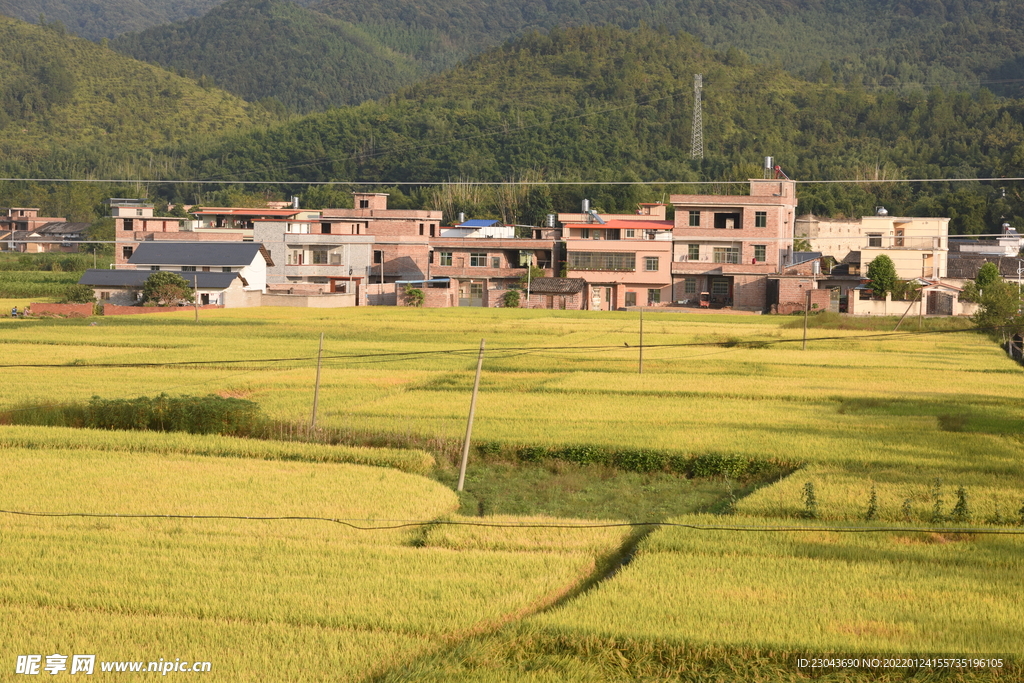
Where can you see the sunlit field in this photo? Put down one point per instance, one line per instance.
(914, 437)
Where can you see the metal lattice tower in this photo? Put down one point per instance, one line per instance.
(697, 146)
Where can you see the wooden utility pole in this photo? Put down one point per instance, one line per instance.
(807, 312)
(640, 369)
(469, 424)
(316, 388)
(195, 294)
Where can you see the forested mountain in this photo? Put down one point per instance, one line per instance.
(273, 48)
(71, 108)
(952, 43)
(607, 104)
(96, 19)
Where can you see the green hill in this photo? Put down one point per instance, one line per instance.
(273, 48)
(95, 19)
(72, 108)
(875, 42)
(595, 104)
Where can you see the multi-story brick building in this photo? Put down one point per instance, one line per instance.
(483, 268)
(728, 245)
(134, 223)
(624, 262)
(401, 236)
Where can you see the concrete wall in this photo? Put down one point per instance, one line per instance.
(110, 309)
(858, 306)
(381, 295)
(309, 301)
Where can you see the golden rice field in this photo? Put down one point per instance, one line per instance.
(912, 417)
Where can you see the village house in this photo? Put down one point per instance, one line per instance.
(729, 245)
(401, 236)
(314, 258)
(231, 274)
(23, 229)
(624, 263)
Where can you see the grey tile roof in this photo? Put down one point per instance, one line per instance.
(557, 285)
(174, 253)
(966, 266)
(63, 228)
(95, 277)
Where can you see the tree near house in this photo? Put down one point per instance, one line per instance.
(882, 273)
(988, 275)
(999, 310)
(164, 288)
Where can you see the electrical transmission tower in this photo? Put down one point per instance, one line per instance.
(697, 146)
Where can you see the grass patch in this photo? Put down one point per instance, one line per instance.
(827, 320)
(557, 488)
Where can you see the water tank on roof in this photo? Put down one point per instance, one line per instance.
(586, 206)
(881, 211)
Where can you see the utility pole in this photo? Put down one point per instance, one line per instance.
(697, 145)
(316, 388)
(640, 369)
(807, 311)
(195, 294)
(469, 425)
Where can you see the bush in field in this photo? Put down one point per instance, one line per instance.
(510, 299)
(195, 414)
(78, 294)
(164, 288)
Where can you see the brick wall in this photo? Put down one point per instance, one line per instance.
(68, 310)
(111, 309)
(749, 292)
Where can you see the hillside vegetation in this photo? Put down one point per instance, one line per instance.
(609, 104)
(96, 19)
(272, 48)
(880, 42)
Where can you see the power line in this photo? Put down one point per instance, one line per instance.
(406, 524)
(408, 355)
(501, 183)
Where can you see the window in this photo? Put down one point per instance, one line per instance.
(650, 263)
(693, 252)
(188, 269)
(325, 228)
(596, 234)
(295, 257)
(630, 298)
(104, 296)
(364, 203)
(653, 296)
(126, 252)
(726, 255)
(421, 228)
(298, 228)
(760, 251)
(444, 258)
(898, 242)
(601, 260)
(225, 269)
(690, 285)
(495, 262)
(695, 219)
(874, 239)
(630, 233)
(138, 212)
(585, 233)
(129, 224)
(378, 256)
(154, 267)
(432, 227)
(318, 257)
(760, 219)
(478, 260)
(720, 287)
(727, 221)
